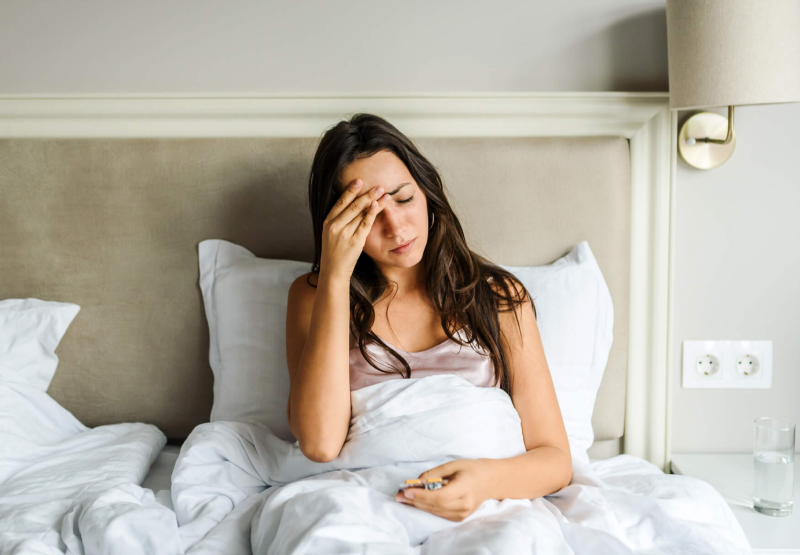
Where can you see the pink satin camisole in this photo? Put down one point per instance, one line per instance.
(447, 357)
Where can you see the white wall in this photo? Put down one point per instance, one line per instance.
(737, 264)
(737, 275)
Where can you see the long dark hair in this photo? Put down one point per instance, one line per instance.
(461, 283)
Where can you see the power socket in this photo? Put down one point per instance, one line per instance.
(727, 364)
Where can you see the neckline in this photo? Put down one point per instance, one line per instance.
(458, 331)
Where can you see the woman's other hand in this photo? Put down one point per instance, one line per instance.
(467, 489)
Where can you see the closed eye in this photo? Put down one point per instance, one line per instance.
(405, 201)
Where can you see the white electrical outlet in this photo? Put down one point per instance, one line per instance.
(707, 366)
(727, 364)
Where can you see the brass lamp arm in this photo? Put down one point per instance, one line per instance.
(692, 140)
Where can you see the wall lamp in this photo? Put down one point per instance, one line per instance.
(728, 53)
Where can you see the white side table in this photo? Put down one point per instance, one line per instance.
(731, 474)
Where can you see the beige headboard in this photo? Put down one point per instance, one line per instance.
(113, 226)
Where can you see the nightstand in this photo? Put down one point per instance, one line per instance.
(731, 474)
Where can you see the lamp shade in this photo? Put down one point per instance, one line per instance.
(733, 52)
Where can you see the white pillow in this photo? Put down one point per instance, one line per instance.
(575, 317)
(245, 301)
(30, 331)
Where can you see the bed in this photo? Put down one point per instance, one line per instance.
(107, 199)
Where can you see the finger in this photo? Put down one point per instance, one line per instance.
(441, 471)
(345, 198)
(454, 513)
(446, 509)
(352, 211)
(360, 226)
(437, 497)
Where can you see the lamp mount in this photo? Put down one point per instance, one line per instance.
(707, 139)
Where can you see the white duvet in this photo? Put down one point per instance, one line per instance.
(63, 485)
(399, 429)
(238, 489)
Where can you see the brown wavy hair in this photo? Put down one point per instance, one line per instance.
(458, 280)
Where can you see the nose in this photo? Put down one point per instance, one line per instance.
(392, 221)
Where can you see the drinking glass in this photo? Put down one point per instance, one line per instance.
(773, 487)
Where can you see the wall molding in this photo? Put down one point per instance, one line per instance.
(499, 114)
(643, 118)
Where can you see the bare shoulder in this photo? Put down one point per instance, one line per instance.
(299, 307)
(512, 287)
(301, 297)
(304, 286)
(514, 323)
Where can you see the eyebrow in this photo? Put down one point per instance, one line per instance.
(399, 187)
(395, 191)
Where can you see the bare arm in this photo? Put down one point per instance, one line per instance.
(546, 467)
(317, 339)
(318, 327)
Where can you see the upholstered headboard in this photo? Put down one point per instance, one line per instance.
(113, 226)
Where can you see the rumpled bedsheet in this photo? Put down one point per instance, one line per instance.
(66, 488)
(237, 488)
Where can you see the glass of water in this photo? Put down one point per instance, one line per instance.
(773, 487)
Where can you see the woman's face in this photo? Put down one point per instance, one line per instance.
(405, 216)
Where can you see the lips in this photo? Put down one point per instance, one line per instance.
(403, 245)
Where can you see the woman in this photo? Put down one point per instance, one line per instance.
(370, 192)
